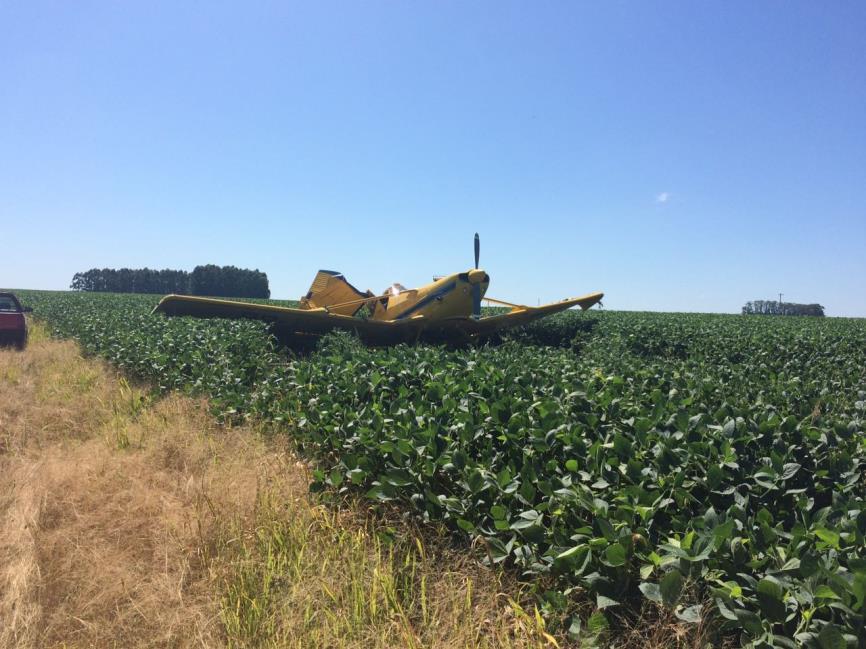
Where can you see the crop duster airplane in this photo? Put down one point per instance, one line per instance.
(447, 310)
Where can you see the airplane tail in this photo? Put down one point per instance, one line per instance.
(331, 290)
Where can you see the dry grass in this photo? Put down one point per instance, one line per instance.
(100, 543)
(130, 523)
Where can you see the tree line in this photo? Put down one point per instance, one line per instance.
(217, 281)
(774, 307)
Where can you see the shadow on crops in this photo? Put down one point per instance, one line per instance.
(574, 335)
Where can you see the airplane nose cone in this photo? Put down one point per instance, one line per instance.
(477, 276)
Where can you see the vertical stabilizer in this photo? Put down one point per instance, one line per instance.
(331, 290)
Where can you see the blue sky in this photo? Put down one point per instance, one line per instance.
(678, 156)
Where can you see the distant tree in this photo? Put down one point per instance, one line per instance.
(127, 280)
(774, 307)
(228, 281)
(220, 281)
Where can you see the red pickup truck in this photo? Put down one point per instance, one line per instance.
(13, 326)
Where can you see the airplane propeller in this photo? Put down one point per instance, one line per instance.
(476, 288)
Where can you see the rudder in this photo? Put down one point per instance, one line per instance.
(331, 290)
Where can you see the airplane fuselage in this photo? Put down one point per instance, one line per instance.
(448, 297)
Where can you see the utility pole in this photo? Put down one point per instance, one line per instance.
(780, 298)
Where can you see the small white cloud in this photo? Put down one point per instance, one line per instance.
(664, 197)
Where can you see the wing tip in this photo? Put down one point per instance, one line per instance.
(164, 304)
(592, 300)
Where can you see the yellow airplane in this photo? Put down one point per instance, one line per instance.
(447, 310)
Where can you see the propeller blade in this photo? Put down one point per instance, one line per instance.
(477, 249)
(476, 300)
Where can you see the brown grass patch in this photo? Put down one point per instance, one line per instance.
(102, 546)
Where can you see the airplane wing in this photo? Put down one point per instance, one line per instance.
(519, 315)
(289, 321)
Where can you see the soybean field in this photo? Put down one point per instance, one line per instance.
(710, 465)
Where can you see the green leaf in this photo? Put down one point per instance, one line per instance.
(646, 570)
(527, 490)
(829, 537)
(722, 533)
(526, 519)
(671, 587)
(831, 638)
(571, 465)
(499, 551)
(573, 554)
(770, 596)
(476, 481)
(606, 528)
(398, 478)
(574, 629)
(602, 602)
(615, 555)
(597, 623)
(651, 591)
(825, 592)
(357, 476)
(379, 492)
(465, 525)
(725, 612)
(809, 564)
(715, 475)
(859, 589)
(749, 621)
(499, 512)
